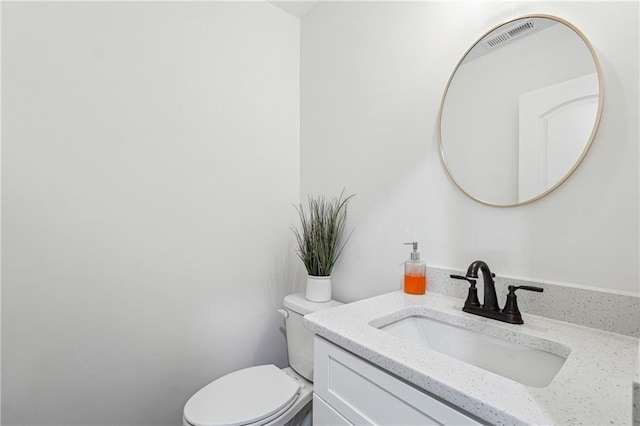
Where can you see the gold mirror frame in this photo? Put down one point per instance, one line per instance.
(596, 123)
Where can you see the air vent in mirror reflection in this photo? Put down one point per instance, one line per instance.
(508, 35)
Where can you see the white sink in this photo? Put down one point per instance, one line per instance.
(519, 362)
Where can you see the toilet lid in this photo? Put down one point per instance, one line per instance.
(242, 397)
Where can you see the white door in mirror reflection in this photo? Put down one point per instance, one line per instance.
(555, 125)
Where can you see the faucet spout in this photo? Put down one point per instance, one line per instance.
(490, 298)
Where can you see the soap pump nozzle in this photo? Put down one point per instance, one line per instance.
(415, 255)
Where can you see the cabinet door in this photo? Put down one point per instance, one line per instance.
(365, 394)
(325, 415)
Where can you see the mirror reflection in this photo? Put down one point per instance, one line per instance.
(520, 111)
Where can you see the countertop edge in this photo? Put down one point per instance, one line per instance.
(636, 392)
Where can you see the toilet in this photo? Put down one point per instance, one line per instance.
(264, 394)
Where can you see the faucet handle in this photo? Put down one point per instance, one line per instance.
(511, 307)
(513, 288)
(472, 297)
(462, 277)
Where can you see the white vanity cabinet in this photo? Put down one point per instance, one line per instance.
(351, 391)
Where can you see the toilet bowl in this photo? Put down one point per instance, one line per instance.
(255, 396)
(264, 394)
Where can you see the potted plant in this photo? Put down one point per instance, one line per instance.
(320, 242)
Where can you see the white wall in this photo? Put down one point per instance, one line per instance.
(150, 162)
(372, 80)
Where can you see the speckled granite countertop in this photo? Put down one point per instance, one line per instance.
(594, 387)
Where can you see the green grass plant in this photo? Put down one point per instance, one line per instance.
(320, 236)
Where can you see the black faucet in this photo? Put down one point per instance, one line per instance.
(490, 309)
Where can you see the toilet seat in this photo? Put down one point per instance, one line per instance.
(252, 396)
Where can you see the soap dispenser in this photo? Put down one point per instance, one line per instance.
(415, 272)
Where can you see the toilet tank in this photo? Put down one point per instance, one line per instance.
(300, 339)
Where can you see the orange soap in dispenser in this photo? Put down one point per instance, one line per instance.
(415, 272)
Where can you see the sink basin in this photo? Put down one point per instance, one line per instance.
(519, 362)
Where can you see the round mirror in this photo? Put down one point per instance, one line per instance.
(520, 110)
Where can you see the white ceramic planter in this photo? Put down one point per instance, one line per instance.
(318, 289)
